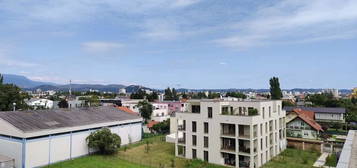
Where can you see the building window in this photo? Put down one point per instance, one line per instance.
(194, 126)
(194, 154)
(263, 112)
(205, 156)
(196, 108)
(205, 125)
(278, 109)
(261, 144)
(209, 112)
(269, 111)
(194, 140)
(205, 142)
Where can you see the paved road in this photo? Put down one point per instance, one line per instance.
(321, 160)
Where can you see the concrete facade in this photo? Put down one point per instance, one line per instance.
(232, 133)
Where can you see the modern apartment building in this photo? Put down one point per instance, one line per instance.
(244, 134)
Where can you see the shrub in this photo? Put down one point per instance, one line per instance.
(104, 141)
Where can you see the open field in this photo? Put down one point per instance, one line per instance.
(293, 158)
(154, 153)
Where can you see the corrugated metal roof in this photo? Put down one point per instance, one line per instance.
(31, 121)
(317, 109)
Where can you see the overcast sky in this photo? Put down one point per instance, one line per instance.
(182, 43)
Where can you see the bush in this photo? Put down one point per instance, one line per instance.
(104, 141)
(331, 160)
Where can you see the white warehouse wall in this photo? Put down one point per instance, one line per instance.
(48, 150)
(12, 149)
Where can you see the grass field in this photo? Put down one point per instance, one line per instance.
(293, 158)
(96, 161)
(162, 155)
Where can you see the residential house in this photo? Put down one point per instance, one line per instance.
(245, 134)
(40, 103)
(301, 124)
(323, 114)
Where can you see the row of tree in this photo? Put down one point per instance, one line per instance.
(11, 97)
(141, 94)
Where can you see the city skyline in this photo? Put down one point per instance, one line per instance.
(182, 43)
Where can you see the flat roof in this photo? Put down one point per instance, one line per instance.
(38, 120)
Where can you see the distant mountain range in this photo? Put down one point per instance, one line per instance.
(24, 82)
(28, 84)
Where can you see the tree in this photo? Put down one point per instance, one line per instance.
(213, 95)
(63, 104)
(162, 127)
(152, 97)
(104, 141)
(174, 94)
(275, 90)
(140, 94)
(287, 103)
(236, 94)
(145, 109)
(11, 95)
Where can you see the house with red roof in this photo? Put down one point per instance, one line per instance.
(301, 124)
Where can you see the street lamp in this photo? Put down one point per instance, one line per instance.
(14, 106)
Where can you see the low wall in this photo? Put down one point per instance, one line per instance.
(305, 144)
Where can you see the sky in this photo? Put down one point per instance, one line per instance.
(182, 43)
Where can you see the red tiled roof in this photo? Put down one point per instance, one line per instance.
(126, 109)
(309, 114)
(152, 123)
(308, 117)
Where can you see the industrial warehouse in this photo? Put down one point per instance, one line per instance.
(38, 138)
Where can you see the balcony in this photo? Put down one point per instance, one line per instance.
(181, 151)
(244, 146)
(182, 140)
(228, 130)
(181, 127)
(229, 159)
(228, 144)
(244, 131)
(240, 111)
(244, 161)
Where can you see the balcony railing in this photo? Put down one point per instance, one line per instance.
(244, 164)
(181, 128)
(244, 149)
(229, 148)
(181, 141)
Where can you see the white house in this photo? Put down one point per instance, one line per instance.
(38, 103)
(39, 138)
(160, 110)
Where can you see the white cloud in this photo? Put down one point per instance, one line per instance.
(100, 46)
(6, 60)
(184, 3)
(223, 63)
(160, 30)
(293, 21)
(81, 10)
